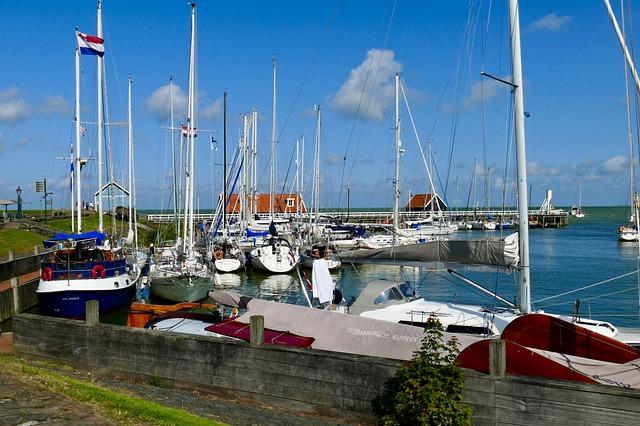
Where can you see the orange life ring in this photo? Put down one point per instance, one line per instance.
(218, 254)
(98, 271)
(47, 274)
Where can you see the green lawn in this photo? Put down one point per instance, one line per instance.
(18, 240)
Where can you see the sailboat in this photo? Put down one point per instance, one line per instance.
(276, 255)
(577, 211)
(181, 273)
(83, 266)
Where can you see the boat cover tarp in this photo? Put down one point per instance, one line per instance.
(501, 253)
(523, 361)
(339, 332)
(240, 330)
(98, 236)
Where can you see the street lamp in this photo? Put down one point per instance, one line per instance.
(19, 201)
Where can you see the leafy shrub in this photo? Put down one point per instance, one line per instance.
(428, 389)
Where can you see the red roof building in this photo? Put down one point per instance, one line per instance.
(422, 202)
(282, 203)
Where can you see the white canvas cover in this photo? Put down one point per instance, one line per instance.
(321, 281)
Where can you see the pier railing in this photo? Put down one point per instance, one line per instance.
(363, 216)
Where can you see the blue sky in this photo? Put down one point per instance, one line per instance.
(574, 91)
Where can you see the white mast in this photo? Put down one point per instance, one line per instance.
(100, 123)
(254, 162)
(396, 182)
(78, 136)
(273, 143)
(523, 213)
(298, 179)
(191, 129)
(316, 171)
(173, 160)
(130, 138)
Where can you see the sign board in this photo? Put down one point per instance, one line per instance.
(39, 186)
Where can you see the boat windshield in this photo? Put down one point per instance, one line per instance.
(407, 290)
(390, 294)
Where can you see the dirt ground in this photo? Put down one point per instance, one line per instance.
(22, 402)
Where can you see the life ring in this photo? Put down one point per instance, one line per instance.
(47, 274)
(98, 271)
(218, 255)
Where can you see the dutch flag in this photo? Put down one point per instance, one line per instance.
(90, 45)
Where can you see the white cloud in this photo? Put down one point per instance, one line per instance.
(614, 165)
(55, 105)
(1, 143)
(214, 110)
(13, 109)
(373, 99)
(551, 22)
(158, 103)
(335, 159)
(24, 141)
(487, 89)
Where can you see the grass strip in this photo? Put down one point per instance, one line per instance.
(116, 406)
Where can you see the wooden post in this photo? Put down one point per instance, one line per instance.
(92, 312)
(497, 358)
(12, 255)
(16, 298)
(256, 330)
(36, 250)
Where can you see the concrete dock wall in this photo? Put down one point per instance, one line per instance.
(306, 380)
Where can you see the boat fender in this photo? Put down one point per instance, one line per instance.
(47, 274)
(218, 255)
(98, 271)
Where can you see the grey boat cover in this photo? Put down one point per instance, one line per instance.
(501, 253)
(340, 332)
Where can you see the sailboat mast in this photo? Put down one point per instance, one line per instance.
(130, 139)
(100, 123)
(173, 160)
(191, 129)
(316, 176)
(396, 182)
(224, 167)
(523, 213)
(78, 160)
(254, 163)
(273, 143)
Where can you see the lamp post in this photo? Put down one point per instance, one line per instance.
(19, 201)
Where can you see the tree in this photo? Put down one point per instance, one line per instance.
(428, 389)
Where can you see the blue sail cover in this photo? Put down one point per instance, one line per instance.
(98, 236)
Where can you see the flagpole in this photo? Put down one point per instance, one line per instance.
(78, 136)
(100, 122)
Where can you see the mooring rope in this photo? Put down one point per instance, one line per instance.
(586, 287)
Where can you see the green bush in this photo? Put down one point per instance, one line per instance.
(428, 389)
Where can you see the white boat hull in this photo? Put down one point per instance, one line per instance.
(274, 259)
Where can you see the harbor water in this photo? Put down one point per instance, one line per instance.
(562, 259)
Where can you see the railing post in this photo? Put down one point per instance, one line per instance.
(256, 331)
(16, 298)
(92, 312)
(36, 250)
(497, 358)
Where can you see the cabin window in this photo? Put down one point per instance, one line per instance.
(388, 295)
(407, 290)
(291, 202)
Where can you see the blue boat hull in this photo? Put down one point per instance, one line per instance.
(71, 304)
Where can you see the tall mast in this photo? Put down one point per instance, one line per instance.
(396, 182)
(523, 213)
(173, 160)
(254, 163)
(191, 129)
(298, 179)
(100, 123)
(316, 172)
(130, 139)
(224, 167)
(78, 136)
(273, 143)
